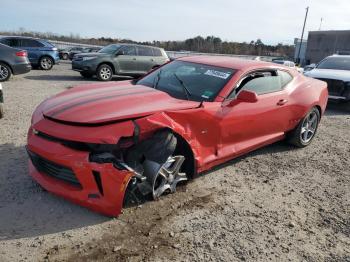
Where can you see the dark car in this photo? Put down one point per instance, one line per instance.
(83, 50)
(119, 59)
(12, 62)
(41, 53)
(335, 70)
(64, 54)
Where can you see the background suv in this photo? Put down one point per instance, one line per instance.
(335, 70)
(40, 52)
(12, 61)
(119, 59)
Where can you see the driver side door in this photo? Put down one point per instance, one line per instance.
(246, 126)
(126, 60)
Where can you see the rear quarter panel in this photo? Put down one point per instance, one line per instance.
(307, 93)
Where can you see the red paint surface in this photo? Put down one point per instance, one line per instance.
(216, 131)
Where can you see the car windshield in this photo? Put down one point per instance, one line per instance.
(189, 81)
(110, 49)
(338, 62)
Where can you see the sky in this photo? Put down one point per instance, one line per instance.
(273, 21)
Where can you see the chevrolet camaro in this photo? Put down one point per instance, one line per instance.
(107, 145)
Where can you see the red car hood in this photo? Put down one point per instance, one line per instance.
(107, 102)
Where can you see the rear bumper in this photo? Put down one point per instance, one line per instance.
(18, 69)
(104, 194)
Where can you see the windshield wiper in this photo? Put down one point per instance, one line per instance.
(156, 79)
(187, 92)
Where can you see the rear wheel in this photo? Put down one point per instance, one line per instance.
(303, 134)
(65, 56)
(104, 72)
(5, 72)
(46, 63)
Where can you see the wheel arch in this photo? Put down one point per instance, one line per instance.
(107, 63)
(4, 62)
(46, 55)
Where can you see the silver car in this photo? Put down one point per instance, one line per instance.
(335, 70)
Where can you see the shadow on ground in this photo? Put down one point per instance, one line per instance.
(26, 209)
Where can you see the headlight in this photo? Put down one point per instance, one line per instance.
(88, 58)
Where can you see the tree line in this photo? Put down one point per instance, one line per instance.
(209, 44)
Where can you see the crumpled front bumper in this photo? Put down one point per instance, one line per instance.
(104, 195)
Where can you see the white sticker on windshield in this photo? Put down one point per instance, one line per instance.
(217, 74)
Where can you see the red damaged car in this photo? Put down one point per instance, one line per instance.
(104, 145)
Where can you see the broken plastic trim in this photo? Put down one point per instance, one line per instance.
(103, 158)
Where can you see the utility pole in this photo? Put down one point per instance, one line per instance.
(320, 24)
(302, 36)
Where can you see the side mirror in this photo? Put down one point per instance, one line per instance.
(247, 96)
(119, 53)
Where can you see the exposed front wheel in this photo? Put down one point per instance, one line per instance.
(303, 134)
(5, 72)
(65, 56)
(164, 178)
(104, 73)
(46, 63)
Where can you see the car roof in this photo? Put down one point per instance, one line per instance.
(131, 44)
(229, 62)
(17, 36)
(336, 55)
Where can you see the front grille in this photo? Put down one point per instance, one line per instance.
(49, 168)
(71, 144)
(335, 87)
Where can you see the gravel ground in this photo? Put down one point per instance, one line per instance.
(277, 203)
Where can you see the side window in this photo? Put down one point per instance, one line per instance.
(144, 51)
(262, 82)
(4, 41)
(30, 43)
(157, 52)
(285, 77)
(128, 50)
(13, 42)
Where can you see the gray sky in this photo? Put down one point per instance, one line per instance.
(234, 20)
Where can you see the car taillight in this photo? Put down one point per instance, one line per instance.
(21, 53)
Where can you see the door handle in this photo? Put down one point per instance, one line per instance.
(134, 59)
(282, 102)
(152, 59)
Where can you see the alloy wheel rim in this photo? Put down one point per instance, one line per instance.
(3, 72)
(46, 63)
(169, 176)
(105, 73)
(308, 127)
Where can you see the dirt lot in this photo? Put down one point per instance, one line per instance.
(278, 203)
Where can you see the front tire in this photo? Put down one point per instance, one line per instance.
(303, 134)
(46, 63)
(164, 178)
(5, 72)
(65, 56)
(104, 72)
